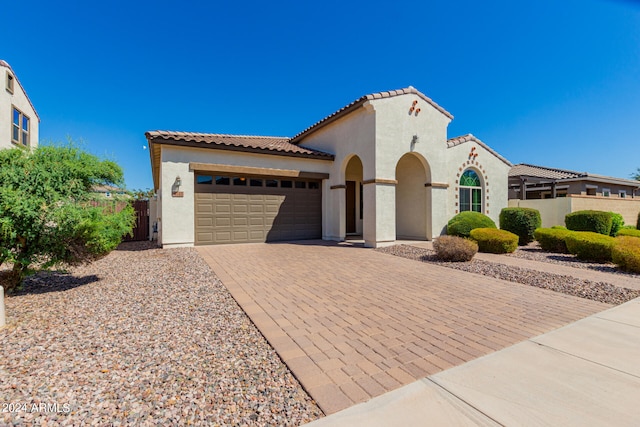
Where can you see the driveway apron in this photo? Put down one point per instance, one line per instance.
(352, 323)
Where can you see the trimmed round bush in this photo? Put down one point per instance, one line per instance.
(626, 253)
(521, 221)
(454, 248)
(617, 222)
(594, 221)
(590, 246)
(553, 239)
(495, 241)
(630, 232)
(462, 224)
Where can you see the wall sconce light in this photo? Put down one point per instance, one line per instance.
(415, 139)
(175, 190)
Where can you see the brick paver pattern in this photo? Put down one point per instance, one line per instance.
(352, 323)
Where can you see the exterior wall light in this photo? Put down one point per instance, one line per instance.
(178, 182)
(175, 190)
(415, 139)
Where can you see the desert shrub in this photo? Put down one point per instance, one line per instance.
(630, 232)
(617, 222)
(594, 221)
(495, 241)
(462, 224)
(454, 248)
(521, 221)
(590, 246)
(626, 253)
(552, 239)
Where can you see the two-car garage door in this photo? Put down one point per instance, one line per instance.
(243, 209)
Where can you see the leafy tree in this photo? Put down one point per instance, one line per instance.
(48, 213)
(636, 175)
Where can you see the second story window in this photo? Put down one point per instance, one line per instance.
(20, 128)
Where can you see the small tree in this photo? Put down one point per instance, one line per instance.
(48, 215)
(636, 175)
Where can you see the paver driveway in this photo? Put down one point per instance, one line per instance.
(352, 323)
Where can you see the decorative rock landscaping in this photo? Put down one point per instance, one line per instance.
(596, 291)
(143, 336)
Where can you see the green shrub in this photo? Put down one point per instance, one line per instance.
(617, 222)
(521, 221)
(495, 241)
(590, 246)
(594, 221)
(559, 227)
(454, 248)
(638, 223)
(553, 239)
(462, 224)
(631, 232)
(626, 253)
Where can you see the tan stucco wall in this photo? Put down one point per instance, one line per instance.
(177, 213)
(18, 99)
(553, 211)
(411, 199)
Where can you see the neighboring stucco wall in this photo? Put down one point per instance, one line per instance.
(178, 213)
(492, 171)
(18, 99)
(553, 211)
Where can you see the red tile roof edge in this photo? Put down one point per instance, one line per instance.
(452, 142)
(197, 138)
(358, 102)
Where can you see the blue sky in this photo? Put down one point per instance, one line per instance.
(554, 83)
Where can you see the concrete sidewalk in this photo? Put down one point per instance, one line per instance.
(584, 374)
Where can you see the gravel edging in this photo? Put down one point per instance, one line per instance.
(596, 291)
(144, 336)
(534, 252)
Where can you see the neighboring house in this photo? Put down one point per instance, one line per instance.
(380, 167)
(19, 120)
(541, 187)
(109, 191)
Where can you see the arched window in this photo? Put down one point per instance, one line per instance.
(470, 192)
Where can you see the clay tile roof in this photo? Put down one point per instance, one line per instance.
(470, 137)
(524, 169)
(360, 101)
(252, 143)
(5, 64)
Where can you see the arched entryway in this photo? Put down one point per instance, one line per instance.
(353, 196)
(413, 198)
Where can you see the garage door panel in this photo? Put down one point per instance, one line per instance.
(237, 214)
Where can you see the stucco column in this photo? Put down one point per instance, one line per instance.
(379, 212)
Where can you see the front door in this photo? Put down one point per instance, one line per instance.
(351, 206)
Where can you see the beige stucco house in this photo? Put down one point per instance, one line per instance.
(381, 168)
(19, 120)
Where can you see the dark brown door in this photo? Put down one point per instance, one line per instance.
(351, 206)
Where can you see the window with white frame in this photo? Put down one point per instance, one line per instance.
(470, 192)
(20, 128)
(622, 194)
(606, 192)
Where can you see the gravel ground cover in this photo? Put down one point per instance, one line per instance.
(143, 337)
(596, 291)
(534, 252)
